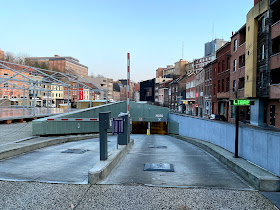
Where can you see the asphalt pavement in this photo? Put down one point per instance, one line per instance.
(193, 167)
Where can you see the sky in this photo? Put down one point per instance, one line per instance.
(100, 33)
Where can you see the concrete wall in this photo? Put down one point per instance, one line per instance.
(138, 111)
(44, 127)
(258, 146)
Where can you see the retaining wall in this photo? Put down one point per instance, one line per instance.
(259, 146)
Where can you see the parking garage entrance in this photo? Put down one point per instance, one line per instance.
(156, 127)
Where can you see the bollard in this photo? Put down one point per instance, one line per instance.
(104, 124)
(124, 139)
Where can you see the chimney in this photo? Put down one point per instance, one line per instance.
(256, 2)
(1, 54)
(56, 56)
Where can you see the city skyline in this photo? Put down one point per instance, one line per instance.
(100, 34)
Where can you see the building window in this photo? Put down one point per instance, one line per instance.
(233, 108)
(235, 45)
(219, 84)
(227, 85)
(214, 89)
(215, 72)
(228, 63)
(263, 52)
(223, 65)
(241, 83)
(223, 85)
(233, 86)
(234, 65)
(219, 67)
(263, 24)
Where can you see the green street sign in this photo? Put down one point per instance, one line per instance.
(240, 102)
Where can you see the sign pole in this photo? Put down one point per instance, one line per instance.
(236, 131)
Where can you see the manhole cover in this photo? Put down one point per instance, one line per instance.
(75, 151)
(165, 167)
(158, 147)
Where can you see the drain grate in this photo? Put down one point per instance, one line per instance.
(164, 167)
(157, 147)
(75, 151)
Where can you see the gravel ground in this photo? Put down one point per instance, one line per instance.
(31, 195)
(15, 131)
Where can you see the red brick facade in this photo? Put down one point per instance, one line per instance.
(221, 81)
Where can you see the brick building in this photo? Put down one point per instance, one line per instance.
(221, 81)
(207, 96)
(273, 107)
(237, 73)
(64, 64)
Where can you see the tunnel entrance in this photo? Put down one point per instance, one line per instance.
(156, 127)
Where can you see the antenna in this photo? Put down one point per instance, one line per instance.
(182, 50)
(213, 30)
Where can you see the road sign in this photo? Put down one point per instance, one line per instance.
(118, 126)
(241, 102)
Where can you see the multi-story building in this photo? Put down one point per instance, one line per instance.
(211, 47)
(109, 87)
(201, 62)
(64, 64)
(2, 54)
(137, 92)
(159, 72)
(221, 81)
(168, 71)
(159, 91)
(273, 107)
(199, 92)
(147, 90)
(180, 67)
(189, 67)
(190, 94)
(237, 74)
(257, 76)
(207, 93)
(163, 93)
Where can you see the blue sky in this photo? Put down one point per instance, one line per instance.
(100, 33)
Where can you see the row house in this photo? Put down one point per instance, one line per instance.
(177, 91)
(221, 81)
(190, 94)
(207, 93)
(160, 90)
(163, 95)
(237, 74)
(199, 92)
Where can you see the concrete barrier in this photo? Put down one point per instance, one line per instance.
(20, 148)
(103, 168)
(256, 145)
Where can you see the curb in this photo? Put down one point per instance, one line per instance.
(103, 168)
(45, 143)
(260, 178)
